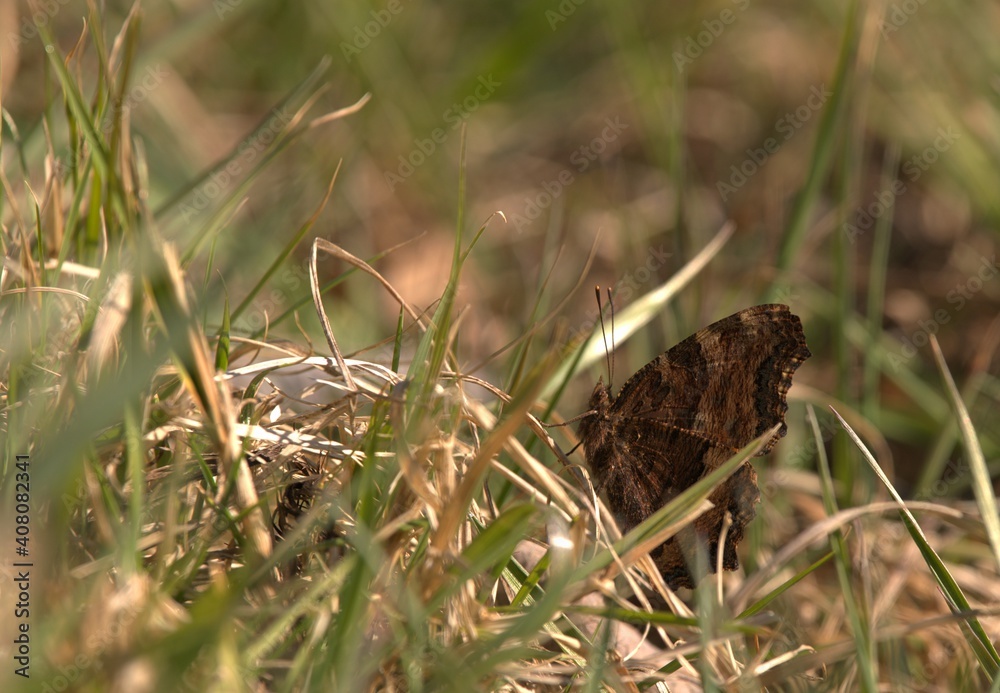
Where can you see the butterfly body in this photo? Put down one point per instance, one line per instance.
(685, 413)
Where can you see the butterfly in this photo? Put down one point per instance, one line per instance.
(685, 413)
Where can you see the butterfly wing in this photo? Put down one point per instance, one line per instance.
(688, 411)
(727, 383)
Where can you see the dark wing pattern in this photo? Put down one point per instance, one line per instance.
(685, 413)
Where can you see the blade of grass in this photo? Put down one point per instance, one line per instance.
(642, 310)
(495, 543)
(287, 250)
(512, 419)
(982, 486)
(430, 353)
(299, 95)
(826, 139)
(762, 603)
(305, 604)
(876, 288)
(856, 613)
(977, 637)
(222, 348)
(99, 155)
(306, 299)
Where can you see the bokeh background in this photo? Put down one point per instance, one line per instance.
(636, 129)
(618, 127)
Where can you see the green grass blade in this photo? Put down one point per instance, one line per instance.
(493, 545)
(982, 486)
(644, 309)
(977, 637)
(826, 140)
(222, 348)
(857, 613)
(285, 252)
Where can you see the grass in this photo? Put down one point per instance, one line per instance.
(275, 439)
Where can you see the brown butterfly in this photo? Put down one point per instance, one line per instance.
(685, 413)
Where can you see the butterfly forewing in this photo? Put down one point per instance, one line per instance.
(688, 411)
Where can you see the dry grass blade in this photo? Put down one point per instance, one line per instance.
(325, 321)
(110, 320)
(828, 654)
(817, 532)
(547, 481)
(198, 373)
(490, 446)
(341, 112)
(354, 260)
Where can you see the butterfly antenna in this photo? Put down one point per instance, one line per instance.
(604, 336)
(611, 353)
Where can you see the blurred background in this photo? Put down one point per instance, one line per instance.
(630, 130)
